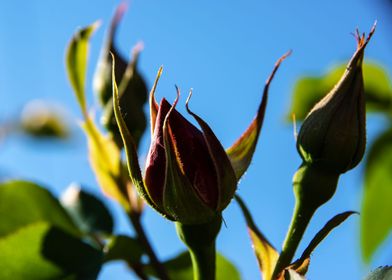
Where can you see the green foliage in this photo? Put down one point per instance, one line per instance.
(38, 240)
(76, 62)
(24, 203)
(122, 247)
(87, 211)
(376, 212)
(180, 267)
(308, 90)
(20, 254)
(71, 254)
(105, 158)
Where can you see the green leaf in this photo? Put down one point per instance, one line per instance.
(377, 195)
(122, 247)
(381, 273)
(241, 152)
(76, 62)
(266, 254)
(180, 267)
(87, 211)
(20, 255)
(71, 254)
(309, 90)
(327, 228)
(23, 203)
(41, 251)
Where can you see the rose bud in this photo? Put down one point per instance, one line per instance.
(187, 165)
(333, 135)
(189, 176)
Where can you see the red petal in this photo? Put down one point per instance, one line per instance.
(156, 159)
(194, 157)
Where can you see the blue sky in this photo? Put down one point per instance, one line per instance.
(224, 50)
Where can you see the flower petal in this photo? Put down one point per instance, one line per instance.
(180, 199)
(227, 182)
(241, 152)
(194, 158)
(156, 158)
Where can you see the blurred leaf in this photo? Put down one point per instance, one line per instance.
(23, 203)
(180, 268)
(381, 273)
(39, 119)
(132, 87)
(266, 254)
(20, 255)
(33, 251)
(87, 211)
(122, 247)
(71, 254)
(226, 269)
(76, 62)
(105, 160)
(376, 212)
(241, 152)
(309, 90)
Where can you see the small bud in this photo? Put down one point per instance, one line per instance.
(132, 87)
(333, 135)
(41, 120)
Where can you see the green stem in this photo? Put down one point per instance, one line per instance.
(200, 240)
(142, 237)
(299, 222)
(204, 262)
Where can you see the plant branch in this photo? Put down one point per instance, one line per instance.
(142, 237)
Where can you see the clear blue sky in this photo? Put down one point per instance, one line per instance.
(224, 50)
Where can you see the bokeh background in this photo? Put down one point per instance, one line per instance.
(224, 50)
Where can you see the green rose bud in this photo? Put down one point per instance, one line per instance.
(333, 135)
(132, 87)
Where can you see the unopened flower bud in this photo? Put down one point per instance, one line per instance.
(42, 120)
(333, 134)
(188, 176)
(132, 87)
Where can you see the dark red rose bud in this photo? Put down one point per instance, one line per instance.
(193, 158)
